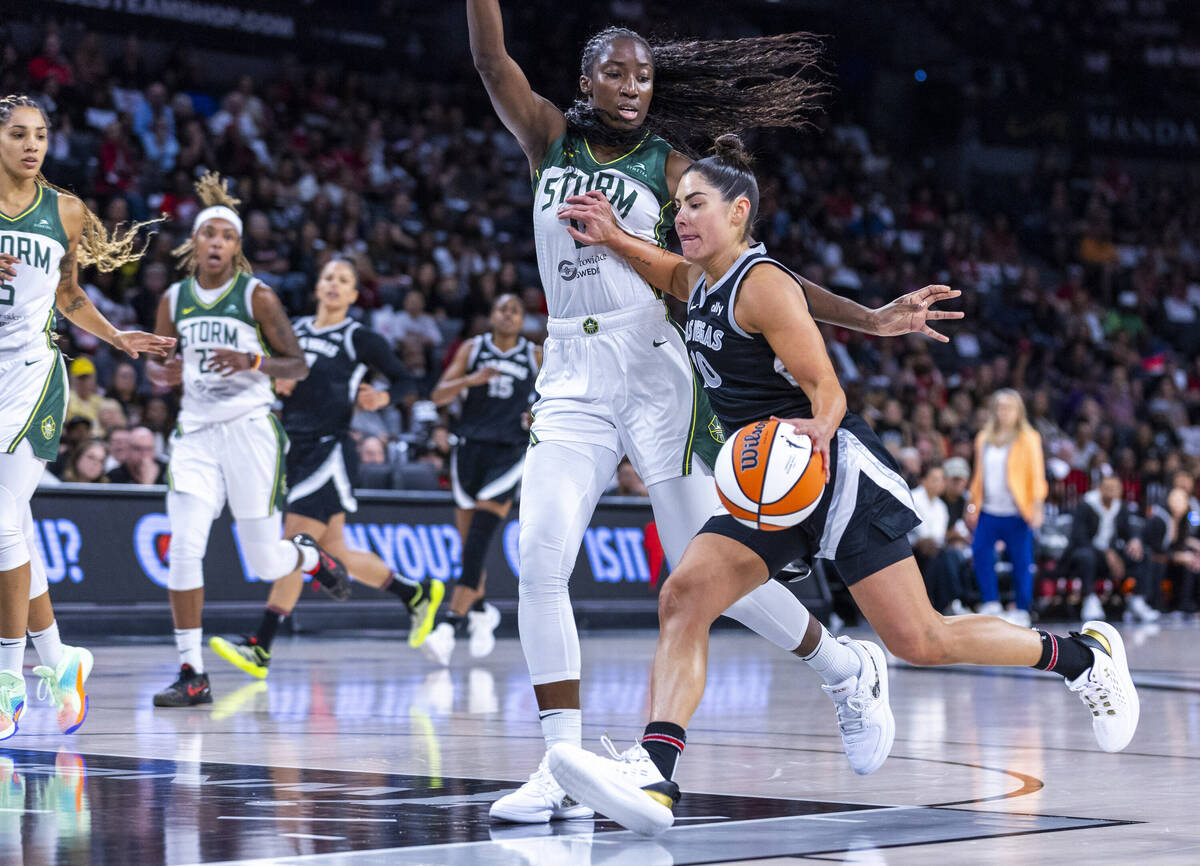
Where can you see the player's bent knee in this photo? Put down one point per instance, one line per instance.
(925, 645)
(684, 598)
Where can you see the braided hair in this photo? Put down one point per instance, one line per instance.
(706, 88)
(211, 190)
(96, 246)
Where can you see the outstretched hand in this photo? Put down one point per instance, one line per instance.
(911, 313)
(592, 219)
(132, 343)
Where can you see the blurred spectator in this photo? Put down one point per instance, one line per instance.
(1104, 548)
(51, 63)
(410, 324)
(372, 450)
(111, 416)
(141, 465)
(86, 463)
(117, 440)
(941, 562)
(85, 399)
(1007, 496)
(1174, 550)
(123, 389)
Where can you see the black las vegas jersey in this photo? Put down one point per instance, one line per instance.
(492, 412)
(744, 379)
(338, 357)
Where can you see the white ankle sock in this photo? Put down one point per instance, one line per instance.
(834, 662)
(562, 726)
(187, 641)
(48, 644)
(12, 655)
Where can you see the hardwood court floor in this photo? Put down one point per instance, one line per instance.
(356, 751)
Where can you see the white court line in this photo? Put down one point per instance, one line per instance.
(312, 836)
(313, 820)
(30, 811)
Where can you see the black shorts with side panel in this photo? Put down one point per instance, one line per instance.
(485, 470)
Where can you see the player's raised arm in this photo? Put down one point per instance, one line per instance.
(72, 301)
(593, 223)
(533, 119)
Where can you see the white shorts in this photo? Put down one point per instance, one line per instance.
(33, 401)
(623, 381)
(241, 461)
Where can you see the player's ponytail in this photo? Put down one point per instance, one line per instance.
(96, 246)
(730, 170)
(211, 191)
(706, 88)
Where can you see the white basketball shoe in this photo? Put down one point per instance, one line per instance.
(1106, 688)
(439, 645)
(481, 629)
(864, 714)
(627, 787)
(539, 800)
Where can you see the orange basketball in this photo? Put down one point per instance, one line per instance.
(768, 476)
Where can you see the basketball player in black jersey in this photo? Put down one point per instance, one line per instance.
(316, 418)
(496, 371)
(753, 339)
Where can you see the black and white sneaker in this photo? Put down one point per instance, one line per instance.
(189, 690)
(330, 573)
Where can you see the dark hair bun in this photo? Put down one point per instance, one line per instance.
(729, 149)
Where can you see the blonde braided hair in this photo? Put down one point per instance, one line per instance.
(96, 246)
(210, 189)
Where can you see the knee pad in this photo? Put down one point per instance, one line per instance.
(191, 520)
(14, 549)
(265, 549)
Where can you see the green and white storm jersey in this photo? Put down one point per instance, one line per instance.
(587, 280)
(210, 319)
(39, 241)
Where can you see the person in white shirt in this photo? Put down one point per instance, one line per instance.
(941, 564)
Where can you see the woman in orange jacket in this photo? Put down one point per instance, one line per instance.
(1007, 494)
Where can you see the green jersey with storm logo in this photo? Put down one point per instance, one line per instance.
(586, 280)
(39, 241)
(211, 319)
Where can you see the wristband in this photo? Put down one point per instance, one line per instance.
(256, 364)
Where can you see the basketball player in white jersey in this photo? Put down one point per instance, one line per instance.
(617, 378)
(44, 234)
(234, 336)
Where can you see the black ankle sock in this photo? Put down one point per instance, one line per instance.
(273, 617)
(458, 621)
(478, 605)
(1067, 656)
(409, 593)
(664, 742)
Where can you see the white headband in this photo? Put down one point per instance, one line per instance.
(218, 211)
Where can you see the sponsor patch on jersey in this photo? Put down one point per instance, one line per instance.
(716, 308)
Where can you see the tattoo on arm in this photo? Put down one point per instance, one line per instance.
(77, 304)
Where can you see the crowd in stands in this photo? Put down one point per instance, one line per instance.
(1088, 304)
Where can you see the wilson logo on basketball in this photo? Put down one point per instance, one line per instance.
(768, 477)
